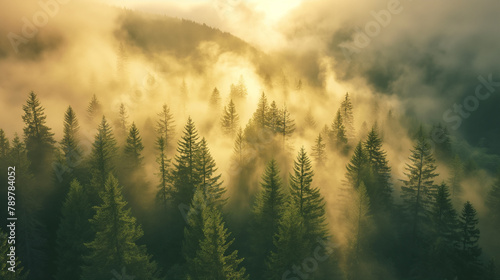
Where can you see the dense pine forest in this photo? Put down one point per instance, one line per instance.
(249, 140)
(91, 212)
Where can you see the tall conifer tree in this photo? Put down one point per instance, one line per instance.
(380, 189)
(307, 198)
(319, 150)
(206, 243)
(347, 116)
(419, 190)
(470, 266)
(185, 177)
(286, 125)
(267, 213)
(442, 255)
(163, 172)
(260, 116)
(165, 127)
(38, 137)
(230, 119)
(115, 244)
(102, 158)
(338, 138)
(74, 230)
(133, 148)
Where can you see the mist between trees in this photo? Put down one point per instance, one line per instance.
(149, 201)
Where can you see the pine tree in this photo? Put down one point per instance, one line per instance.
(184, 180)
(102, 157)
(38, 137)
(310, 121)
(5, 272)
(419, 190)
(122, 126)
(4, 164)
(213, 261)
(286, 125)
(184, 176)
(242, 89)
(319, 151)
(338, 138)
(94, 109)
(240, 147)
(347, 116)
(67, 165)
(230, 119)
(493, 203)
(165, 127)
(444, 235)
(70, 143)
(290, 244)
(444, 216)
(4, 146)
(273, 118)
(209, 182)
(133, 148)
(74, 230)
(361, 221)
(260, 115)
(115, 244)
(193, 232)
(239, 91)
(380, 190)
(17, 152)
(267, 211)
(308, 199)
(215, 99)
(30, 231)
(357, 168)
(163, 172)
(469, 250)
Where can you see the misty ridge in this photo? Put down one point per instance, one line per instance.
(154, 147)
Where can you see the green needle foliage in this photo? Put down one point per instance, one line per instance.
(73, 232)
(102, 157)
(380, 189)
(291, 245)
(212, 260)
(115, 244)
(268, 212)
(184, 174)
(419, 190)
(230, 119)
(133, 148)
(38, 137)
(470, 266)
(310, 203)
(6, 274)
